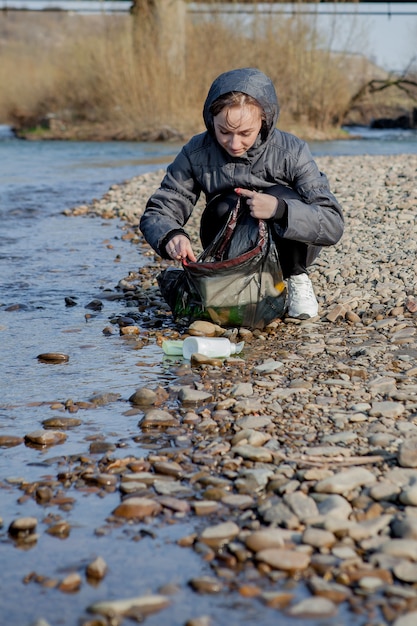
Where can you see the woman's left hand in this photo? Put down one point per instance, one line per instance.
(261, 205)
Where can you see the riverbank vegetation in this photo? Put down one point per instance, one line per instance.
(90, 77)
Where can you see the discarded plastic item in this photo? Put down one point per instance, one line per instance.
(172, 347)
(210, 346)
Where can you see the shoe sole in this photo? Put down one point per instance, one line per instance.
(301, 318)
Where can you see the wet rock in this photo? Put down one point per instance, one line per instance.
(102, 399)
(9, 441)
(144, 605)
(53, 357)
(23, 526)
(61, 422)
(94, 305)
(61, 529)
(313, 608)
(97, 569)
(158, 418)
(206, 584)
(143, 397)
(137, 508)
(198, 359)
(71, 583)
(45, 437)
(203, 620)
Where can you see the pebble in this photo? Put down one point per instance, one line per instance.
(144, 605)
(97, 569)
(53, 357)
(298, 461)
(137, 508)
(45, 437)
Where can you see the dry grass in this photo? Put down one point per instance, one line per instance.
(90, 71)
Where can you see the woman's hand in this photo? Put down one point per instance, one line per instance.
(261, 205)
(179, 248)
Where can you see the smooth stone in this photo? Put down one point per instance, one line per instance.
(145, 605)
(335, 506)
(282, 559)
(201, 328)
(206, 584)
(61, 422)
(45, 437)
(318, 538)
(53, 357)
(175, 504)
(326, 589)
(253, 453)
(158, 418)
(268, 366)
(242, 389)
(346, 481)
(187, 395)
(143, 397)
(406, 572)
(315, 607)
(401, 548)
(387, 409)
(218, 535)
(137, 508)
(205, 507)
(266, 538)
(9, 441)
(254, 421)
(410, 619)
(303, 506)
(238, 501)
(407, 454)
(197, 359)
(23, 526)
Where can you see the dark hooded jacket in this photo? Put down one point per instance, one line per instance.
(312, 215)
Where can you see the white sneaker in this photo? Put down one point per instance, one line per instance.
(302, 303)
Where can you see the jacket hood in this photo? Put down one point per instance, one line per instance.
(250, 81)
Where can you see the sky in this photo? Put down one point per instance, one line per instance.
(388, 36)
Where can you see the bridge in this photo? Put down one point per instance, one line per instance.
(375, 7)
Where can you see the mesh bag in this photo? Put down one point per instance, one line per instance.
(236, 281)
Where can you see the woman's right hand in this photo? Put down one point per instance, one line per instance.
(179, 248)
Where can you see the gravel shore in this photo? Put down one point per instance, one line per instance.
(298, 460)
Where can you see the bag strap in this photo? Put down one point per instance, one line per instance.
(228, 231)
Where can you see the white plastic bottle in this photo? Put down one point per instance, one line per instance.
(210, 346)
(172, 347)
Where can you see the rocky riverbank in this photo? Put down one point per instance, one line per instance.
(297, 460)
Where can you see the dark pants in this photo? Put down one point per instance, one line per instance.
(294, 256)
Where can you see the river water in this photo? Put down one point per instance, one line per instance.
(46, 257)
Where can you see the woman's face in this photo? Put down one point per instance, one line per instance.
(236, 128)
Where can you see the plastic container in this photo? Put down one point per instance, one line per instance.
(172, 347)
(210, 346)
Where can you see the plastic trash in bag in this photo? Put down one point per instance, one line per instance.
(236, 281)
